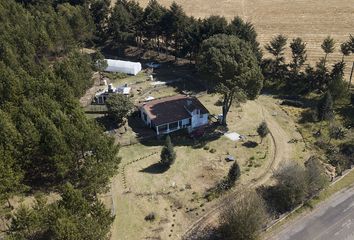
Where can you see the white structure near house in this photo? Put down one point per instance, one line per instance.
(102, 96)
(132, 68)
(166, 115)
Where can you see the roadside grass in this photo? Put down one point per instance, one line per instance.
(346, 182)
(342, 184)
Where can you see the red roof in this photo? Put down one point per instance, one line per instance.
(172, 109)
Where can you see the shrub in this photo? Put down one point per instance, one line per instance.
(292, 103)
(291, 189)
(243, 218)
(119, 107)
(263, 130)
(150, 217)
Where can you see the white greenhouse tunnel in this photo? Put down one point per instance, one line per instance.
(127, 67)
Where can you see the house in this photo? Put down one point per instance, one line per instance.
(166, 115)
(132, 68)
(102, 96)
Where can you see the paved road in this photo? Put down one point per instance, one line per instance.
(331, 220)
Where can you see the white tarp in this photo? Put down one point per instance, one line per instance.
(233, 136)
(123, 66)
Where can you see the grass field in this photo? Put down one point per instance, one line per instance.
(176, 195)
(312, 20)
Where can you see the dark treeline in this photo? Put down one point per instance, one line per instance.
(46, 142)
(171, 31)
(297, 77)
(167, 30)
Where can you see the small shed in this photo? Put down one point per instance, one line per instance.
(132, 68)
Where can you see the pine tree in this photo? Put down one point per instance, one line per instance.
(337, 85)
(234, 174)
(120, 25)
(298, 50)
(168, 155)
(328, 47)
(345, 49)
(277, 67)
(174, 26)
(246, 32)
(231, 68)
(325, 107)
(276, 47)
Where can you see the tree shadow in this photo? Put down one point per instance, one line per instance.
(107, 123)
(347, 112)
(183, 138)
(139, 128)
(250, 144)
(155, 168)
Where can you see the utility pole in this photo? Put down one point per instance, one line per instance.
(351, 75)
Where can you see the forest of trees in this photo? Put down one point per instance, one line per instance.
(167, 30)
(48, 144)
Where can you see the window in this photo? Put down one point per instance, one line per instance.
(201, 115)
(162, 128)
(173, 126)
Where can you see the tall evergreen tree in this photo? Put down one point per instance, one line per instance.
(120, 25)
(192, 38)
(137, 13)
(152, 21)
(213, 25)
(345, 49)
(298, 50)
(168, 154)
(337, 85)
(325, 107)
(328, 47)
(231, 68)
(100, 12)
(234, 174)
(174, 24)
(276, 47)
(276, 68)
(246, 32)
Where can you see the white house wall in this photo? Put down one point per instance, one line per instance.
(198, 121)
(185, 121)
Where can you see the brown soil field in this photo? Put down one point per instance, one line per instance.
(311, 20)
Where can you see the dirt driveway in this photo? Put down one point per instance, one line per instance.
(282, 151)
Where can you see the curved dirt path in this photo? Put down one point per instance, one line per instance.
(281, 151)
